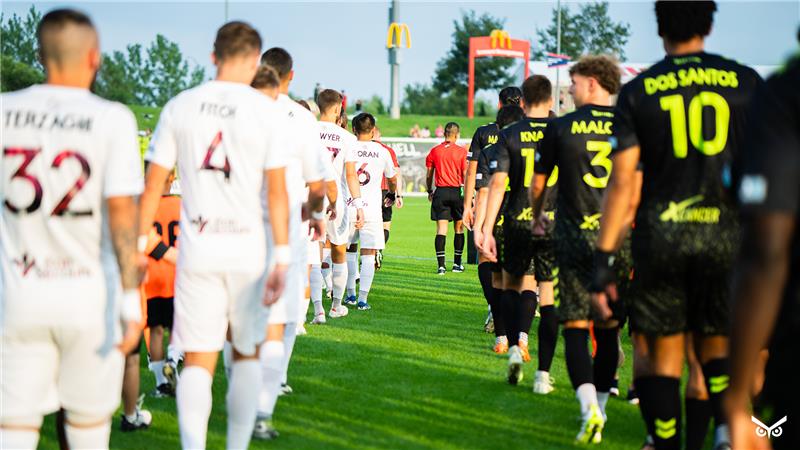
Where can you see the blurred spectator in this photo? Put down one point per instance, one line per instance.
(359, 106)
(414, 132)
(425, 133)
(317, 90)
(440, 131)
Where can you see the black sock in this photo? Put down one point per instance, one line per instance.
(660, 405)
(485, 278)
(605, 359)
(576, 352)
(438, 243)
(510, 299)
(498, 313)
(548, 336)
(385, 236)
(458, 248)
(698, 415)
(716, 374)
(526, 309)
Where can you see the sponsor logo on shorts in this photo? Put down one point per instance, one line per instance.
(591, 222)
(25, 263)
(769, 431)
(682, 212)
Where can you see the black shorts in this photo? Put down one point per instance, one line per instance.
(386, 210)
(499, 241)
(529, 255)
(160, 311)
(682, 279)
(574, 250)
(447, 204)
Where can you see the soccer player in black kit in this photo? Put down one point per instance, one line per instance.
(683, 120)
(578, 143)
(766, 309)
(524, 256)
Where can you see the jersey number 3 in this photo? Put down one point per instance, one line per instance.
(62, 208)
(677, 116)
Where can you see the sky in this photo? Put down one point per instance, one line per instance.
(342, 44)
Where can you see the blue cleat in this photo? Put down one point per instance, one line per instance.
(350, 300)
(363, 306)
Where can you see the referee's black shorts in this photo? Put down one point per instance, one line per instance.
(447, 204)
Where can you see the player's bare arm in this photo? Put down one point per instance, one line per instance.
(469, 192)
(355, 190)
(399, 200)
(480, 215)
(314, 206)
(429, 183)
(497, 188)
(537, 194)
(148, 202)
(278, 205)
(332, 192)
(391, 196)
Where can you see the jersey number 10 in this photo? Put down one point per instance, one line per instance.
(674, 104)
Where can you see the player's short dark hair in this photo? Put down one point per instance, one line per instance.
(55, 21)
(451, 129)
(536, 89)
(681, 21)
(363, 123)
(510, 95)
(279, 59)
(235, 39)
(266, 78)
(304, 104)
(327, 99)
(602, 68)
(509, 114)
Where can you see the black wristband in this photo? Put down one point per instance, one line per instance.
(603, 272)
(391, 196)
(159, 251)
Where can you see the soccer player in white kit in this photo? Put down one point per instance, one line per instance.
(70, 173)
(373, 162)
(341, 145)
(306, 189)
(227, 140)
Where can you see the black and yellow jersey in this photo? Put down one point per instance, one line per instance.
(578, 144)
(484, 136)
(515, 154)
(688, 114)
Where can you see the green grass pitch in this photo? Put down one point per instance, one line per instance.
(415, 372)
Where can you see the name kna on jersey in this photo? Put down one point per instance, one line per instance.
(47, 121)
(531, 136)
(690, 77)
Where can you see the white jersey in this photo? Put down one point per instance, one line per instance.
(373, 162)
(341, 145)
(222, 136)
(65, 150)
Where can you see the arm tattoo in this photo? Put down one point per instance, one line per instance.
(123, 222)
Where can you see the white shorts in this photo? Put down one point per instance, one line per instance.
(75, 367)
(369, 236)
(206, 303)
(287, 308)
(339, 228)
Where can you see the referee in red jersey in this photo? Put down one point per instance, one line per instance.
(447, 162)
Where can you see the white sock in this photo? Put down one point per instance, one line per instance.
(367, 275)
(602, 400)
(157, 367)
(304, 310)
(289, 336)
(95, 437)
(227, 358)
(339, 281)
(326, 272)
(193, 398)
(242, 401)
(174, 353)
(587, 396)
(271, 357)
(19, 438)
(315, 283)
(352, 271)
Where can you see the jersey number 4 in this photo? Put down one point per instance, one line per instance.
(62, 208)
(675, 105)
(225, 169)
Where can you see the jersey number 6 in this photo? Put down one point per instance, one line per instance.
(363, 175)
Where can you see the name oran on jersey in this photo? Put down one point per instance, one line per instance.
(689, 77)
(47, 121)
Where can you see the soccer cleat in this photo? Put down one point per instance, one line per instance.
(523, 349)
(501, 347)
(592, 427)
(319, 319)
(378, 259)
(170, 371)
(285, 390)
(514, 365)
(264, 431)
(542, 383)
(142, 419)
(458, 268)
(341, 311)
(488, 325)
(300, 330)
(633, 397)
(363, 306)
(441, 271)
(614, 390)
(163, 390)
(350, 300)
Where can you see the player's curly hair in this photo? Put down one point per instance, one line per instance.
(602, 68)
(509, 114)
(681, 21)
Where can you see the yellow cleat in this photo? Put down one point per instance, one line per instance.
(591, 427)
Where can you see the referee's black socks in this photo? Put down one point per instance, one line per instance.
(385, 236)
(660, 405)
(458, 248)
(439, 243)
